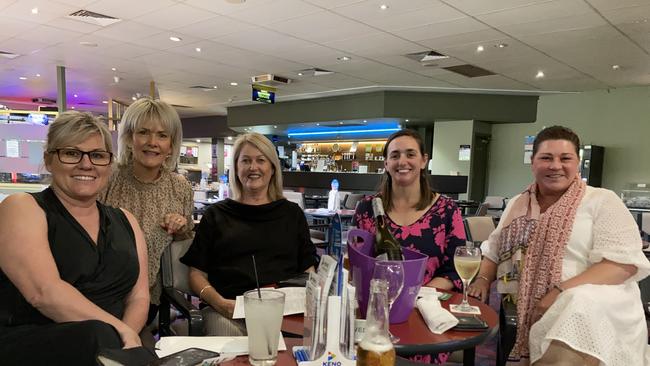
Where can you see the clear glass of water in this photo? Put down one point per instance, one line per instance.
(263, 322)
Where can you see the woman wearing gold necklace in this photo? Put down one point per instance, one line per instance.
(144, 183)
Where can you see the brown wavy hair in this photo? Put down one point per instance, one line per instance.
(386, 184)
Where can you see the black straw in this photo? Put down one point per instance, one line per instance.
(257, 280)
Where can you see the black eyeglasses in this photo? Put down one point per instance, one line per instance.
(74, 156)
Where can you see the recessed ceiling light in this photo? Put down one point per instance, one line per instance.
(175, 39)
(232, 83)
(344, 58)
(501, 45)
(406, 120)
(480, 49)
(38, 75)
(340, 123)
(236, 1)
(318, 124)
(34, 10)
(88, 44)
(616, 67)
(105, 101)
(275, 126)
(230, 138)
(113, 69)
(22, 78)
(365, 121)
(198, 49)
(540, 74)
(72, 107)
(197, 140)
(383, 6)
(300, 74)
(75, 95)
(639, 21)
(214, 87)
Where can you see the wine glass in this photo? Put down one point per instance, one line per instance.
(393, 273)
(467, 260)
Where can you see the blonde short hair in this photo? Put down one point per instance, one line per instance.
(73, 127)
(146, 109)
(265, 146)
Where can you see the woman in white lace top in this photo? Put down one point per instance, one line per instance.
(569, 256)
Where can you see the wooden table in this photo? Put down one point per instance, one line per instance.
(416, 339)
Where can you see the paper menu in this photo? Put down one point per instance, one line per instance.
(294, 302)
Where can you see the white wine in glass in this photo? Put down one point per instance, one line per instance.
(467, 261)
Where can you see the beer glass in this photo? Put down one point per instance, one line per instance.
(467, 261)
(393, 273)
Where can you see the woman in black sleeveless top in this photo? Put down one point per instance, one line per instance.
(73, 274)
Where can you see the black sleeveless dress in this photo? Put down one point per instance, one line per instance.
(104, 273)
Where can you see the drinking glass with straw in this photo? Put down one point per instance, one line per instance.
(264, 309)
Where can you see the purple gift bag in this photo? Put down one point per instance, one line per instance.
(362, 266)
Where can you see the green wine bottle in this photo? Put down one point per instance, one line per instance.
(385, 242)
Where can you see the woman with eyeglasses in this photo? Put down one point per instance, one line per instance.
(144, 182)
(73, 276)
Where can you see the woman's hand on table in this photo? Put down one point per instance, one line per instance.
(479, 289)
(441, 283)
(173, 223)
(226, 307)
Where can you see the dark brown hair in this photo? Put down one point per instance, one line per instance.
(556, 133)
(386, 184)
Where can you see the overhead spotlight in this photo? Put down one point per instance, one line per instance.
(616, 67)
(365, 121)
(75, 95)
(72, 107)
(197, 140)
(232, 83)
(113, 69)
(480, 49)
(105, 101)
(300, 74)
(406, 120)
(383, 6)
(34, 10)
(198, 49)
(134, 98)
(340, 123)
(229, 138)
(175, 39)
(22, 78)
(540, 74)
(38, 75)
(318, 124)
(501, 45)
(116, 79)
(344, 58)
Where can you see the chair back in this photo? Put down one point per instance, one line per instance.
(174, 273)
(296, 197)
(481, 210)
(352, 199)
(478, 228)
(495, 202)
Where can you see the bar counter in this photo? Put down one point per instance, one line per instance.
(365, 182)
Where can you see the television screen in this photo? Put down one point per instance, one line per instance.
(263, 96)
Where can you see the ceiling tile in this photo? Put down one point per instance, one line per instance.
(73, 25)
(537, 12)
(49, 35)
(400, 15)
(215, 27)
(322, 27)
(487, 37)
(443, 29)
(375, 44)
(275, 11)
(128, 9)
(161, 41)
(631, 15)
(127, 31)
(603, 5)
(478, 7)
(570, 23)
(13, 27)
(263, 41)
(331, 4)
(47, 10)
(175, 16)
(224, 7)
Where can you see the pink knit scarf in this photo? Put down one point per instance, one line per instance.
(540, 240)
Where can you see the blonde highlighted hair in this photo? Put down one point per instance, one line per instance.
(73, 127)
(141, 111)
(265, 146)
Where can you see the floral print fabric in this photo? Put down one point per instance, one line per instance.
(436, 233)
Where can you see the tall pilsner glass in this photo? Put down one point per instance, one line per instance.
(467, 261)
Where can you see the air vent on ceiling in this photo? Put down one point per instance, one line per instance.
(315, 71)
(93, 18)
(270, 79)
(204, 88)
(9, 55)
(180, 106)
(426, 56)
(470, 71)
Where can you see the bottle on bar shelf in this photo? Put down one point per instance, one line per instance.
(385, 242)
(376, 349)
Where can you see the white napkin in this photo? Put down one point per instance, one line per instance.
(438, 319)
(235, 345)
